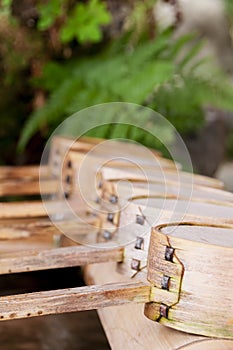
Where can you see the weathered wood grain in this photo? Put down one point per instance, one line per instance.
(16, 187)
(126, 326)
(200, 276)
(109, 174)
(58, 258)
(23, 209)
(72, 300)
(20, 172)
(133, 189)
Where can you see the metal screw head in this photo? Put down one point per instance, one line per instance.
(169, 253)
(135, 264)
(110, 217)
(163, 310)
(69, 164)
(113, 199)
(68, 179)
(107, 235)
(139, 243)
(165, 282)
(140, 219)
(67, 195)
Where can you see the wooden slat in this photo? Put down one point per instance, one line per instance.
(109, 174)
(27, 171)
(23, 236)
(71, 300)
(126, 326)
(12, 210)
(59, 258)
(196, 246)
(35, 209)
(16, 187)
(127, 190)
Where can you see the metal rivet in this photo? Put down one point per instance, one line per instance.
(110, 217)
(69, 164)
(67, 195)
(165, 282)
(135, 264)
(169, 253)
(113, 199)
(107, 235)
(139, 243)
(140, 219)
(68, 179)
(163, 310)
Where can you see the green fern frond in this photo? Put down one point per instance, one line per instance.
(146, 75)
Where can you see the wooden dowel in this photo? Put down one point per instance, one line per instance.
(16, 187)
(28, 171)
(59, 258)
(73, 299)
(23, 209)
(22, 228)
(35, 209)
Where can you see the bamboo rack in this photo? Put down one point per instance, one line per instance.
(171, 289)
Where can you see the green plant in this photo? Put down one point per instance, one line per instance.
(82, 21)
(146, 74)
(230, 145)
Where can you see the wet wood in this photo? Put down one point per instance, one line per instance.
(72, 300)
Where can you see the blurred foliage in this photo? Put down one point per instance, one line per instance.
(230, 145)
(145, 74)
(81, 22)
(65, 58)
(229, 8)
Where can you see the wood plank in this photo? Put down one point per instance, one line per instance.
(126, 190)
(126, 326)
(156, 175)
(27, 171)
(22, 236)
(72, 300)
(12, 210)
(59, 258)
(36, 208)
(16, 187)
